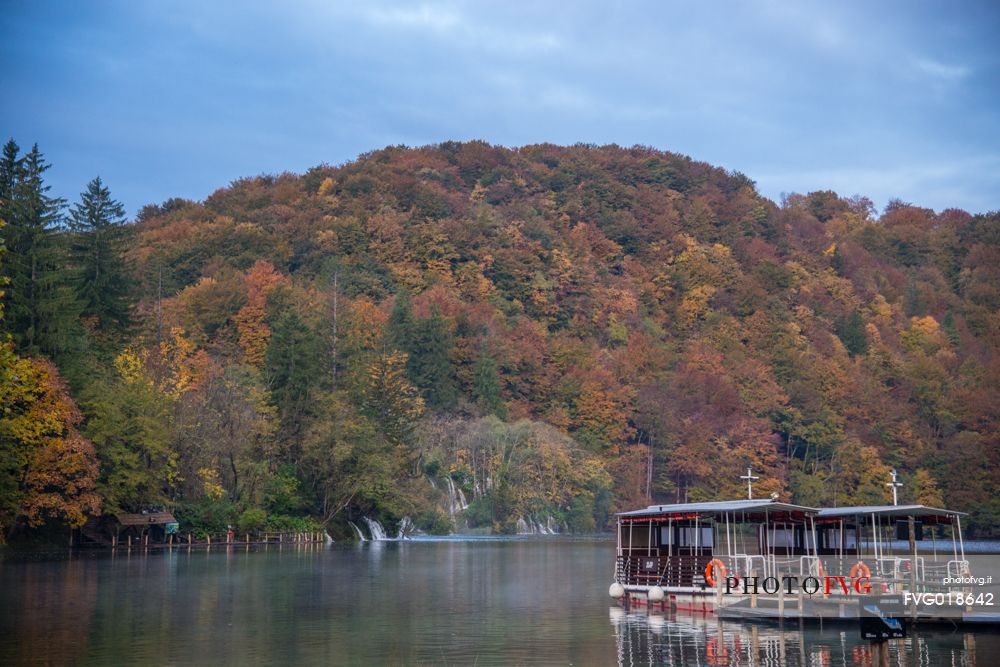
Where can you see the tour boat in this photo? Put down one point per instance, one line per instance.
(762, 557)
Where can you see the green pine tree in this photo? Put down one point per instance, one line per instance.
(42, 310)
(429, 365)
(852, 332)
(950, 330)
(97, 223)
(11, 171)
(401, 330)
(292, 364)
(486, 390)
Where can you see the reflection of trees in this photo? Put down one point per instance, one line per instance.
(54, 610)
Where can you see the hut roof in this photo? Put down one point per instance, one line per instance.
(147, 519)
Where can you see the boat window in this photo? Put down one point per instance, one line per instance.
(850, 538)
(810, 538)
(689, 535)
(781, 538)
(832, 538)
(666, 536)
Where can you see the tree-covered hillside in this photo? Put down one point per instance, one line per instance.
(550, 332)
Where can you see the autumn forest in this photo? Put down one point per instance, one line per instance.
(552, 333)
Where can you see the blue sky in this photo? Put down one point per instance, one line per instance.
(163, 99)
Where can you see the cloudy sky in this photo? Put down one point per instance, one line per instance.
(163, 99)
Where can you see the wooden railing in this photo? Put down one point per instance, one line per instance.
(225, 539)
(682, 571)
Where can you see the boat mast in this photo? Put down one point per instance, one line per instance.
(750, 478)
(894, 485)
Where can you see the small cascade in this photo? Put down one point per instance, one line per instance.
(532, 526)
(361, 536)
(456, 499)
(375, 528)
(405, 528)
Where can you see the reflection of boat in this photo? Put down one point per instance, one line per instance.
(676, 638)
(764, 558)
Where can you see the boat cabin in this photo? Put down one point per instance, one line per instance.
(880, 535)
(671, 545)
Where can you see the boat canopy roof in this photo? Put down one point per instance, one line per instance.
(752, 509)
(917, 511)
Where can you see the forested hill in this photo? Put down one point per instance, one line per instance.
(554, 332)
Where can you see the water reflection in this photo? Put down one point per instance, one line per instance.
(537, 601)
(657, 639)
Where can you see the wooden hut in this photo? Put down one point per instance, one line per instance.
(156, 526)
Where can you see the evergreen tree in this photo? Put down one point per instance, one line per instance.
(41, 306)
(11, 170)
(429, 365)
(950, 330)
(914, 305)
(292, 364)
(96, 254)
(837, 261)
(428, 344)
(486, 390)
(401, 330)
(852, 332)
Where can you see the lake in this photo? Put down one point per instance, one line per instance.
(526, 601)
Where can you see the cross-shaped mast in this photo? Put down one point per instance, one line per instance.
(895, 485)
(750, 478)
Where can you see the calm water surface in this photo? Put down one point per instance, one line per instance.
(537, 601)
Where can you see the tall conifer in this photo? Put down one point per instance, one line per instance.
(41, 306)
(97, 222)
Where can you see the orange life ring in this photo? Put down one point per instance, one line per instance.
(710, 568)
(863, 568)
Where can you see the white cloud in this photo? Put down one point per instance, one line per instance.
(941, 71)
(434, 17)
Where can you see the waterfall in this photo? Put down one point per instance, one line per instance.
(375, 528)
(361, 536)
(456, 499)
(532, 526)
(405, 528)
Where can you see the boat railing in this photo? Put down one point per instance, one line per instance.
(957, 568)
(897, 567)
(810, 566)
(677, 570)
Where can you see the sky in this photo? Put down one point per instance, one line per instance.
(177, 99)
